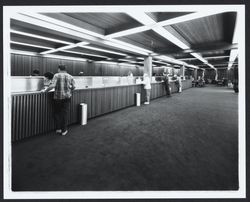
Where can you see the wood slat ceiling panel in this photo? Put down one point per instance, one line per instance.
(215, 53)
(150, 40)
(218, 60)
(182, 55)
(26, 48)
(109, 22)
(34, 41)
(161, 16)
(202, 30)
(111, 48)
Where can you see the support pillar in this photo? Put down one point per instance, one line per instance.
(148, 66)
(203, 73)
(195, 74)
(216, 75)
(182, 72)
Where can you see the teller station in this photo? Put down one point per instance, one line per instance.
(32, 111)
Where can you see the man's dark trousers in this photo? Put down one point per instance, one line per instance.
(61, 113)
(168, 93)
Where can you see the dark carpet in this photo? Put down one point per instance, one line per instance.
(186, 142)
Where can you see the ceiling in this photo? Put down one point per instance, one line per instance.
(192, 39)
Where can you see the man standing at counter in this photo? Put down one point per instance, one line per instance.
(64, 84)
(167, 85)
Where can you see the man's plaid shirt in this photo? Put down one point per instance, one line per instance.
(64, 84)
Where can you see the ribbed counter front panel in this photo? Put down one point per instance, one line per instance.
(32, 113)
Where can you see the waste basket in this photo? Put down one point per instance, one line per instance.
(83, 113)
(138, 99)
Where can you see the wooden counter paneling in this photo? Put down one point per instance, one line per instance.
(32, 113)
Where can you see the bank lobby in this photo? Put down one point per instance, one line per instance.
(116, 141)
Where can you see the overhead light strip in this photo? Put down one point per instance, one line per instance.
(128, 32)
(39, 37)
(170, 37)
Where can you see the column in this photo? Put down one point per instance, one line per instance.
(195, 74)
(203, 73)
(216, 75)
(182, 72)
(148, 66)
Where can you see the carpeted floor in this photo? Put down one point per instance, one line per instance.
(186, 142)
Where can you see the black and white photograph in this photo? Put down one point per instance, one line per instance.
(135, 101)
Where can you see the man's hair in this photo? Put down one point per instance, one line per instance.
(49, 75)
(62, 67)
(36, 71)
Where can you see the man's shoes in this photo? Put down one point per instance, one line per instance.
(65, 132)
(58, 131)
(146, 103)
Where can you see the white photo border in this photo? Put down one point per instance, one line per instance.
(8, 11)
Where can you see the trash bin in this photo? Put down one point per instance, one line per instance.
(138, 99)
(83, 113)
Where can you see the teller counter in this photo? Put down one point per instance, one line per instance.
(32, 112)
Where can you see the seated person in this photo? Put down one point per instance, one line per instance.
(48, 79)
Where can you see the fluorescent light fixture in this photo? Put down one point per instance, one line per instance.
(128, 32)
(63, 57)
(126, 60)
(31, 45)
(217, 57)
(141, 17)
(102, 50)
(81, 53)
(106, 62)
(140, 58)
(40, 37)
(167, 35)
(188, 59)
(130, 65)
